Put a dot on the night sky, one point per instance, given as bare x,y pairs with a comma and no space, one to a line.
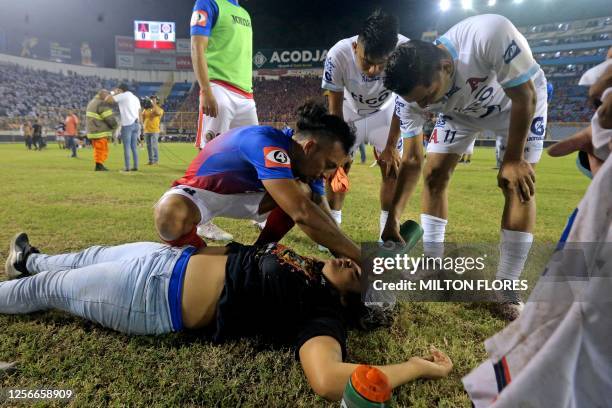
282,24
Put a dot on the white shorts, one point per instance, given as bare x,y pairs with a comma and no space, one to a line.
234,110
240,206
454,133
373,129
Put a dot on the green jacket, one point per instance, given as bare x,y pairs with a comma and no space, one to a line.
100,120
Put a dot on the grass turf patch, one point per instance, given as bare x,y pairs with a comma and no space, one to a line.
65,206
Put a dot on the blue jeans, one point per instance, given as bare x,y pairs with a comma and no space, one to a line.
152,146
129,137
124,288
71,144
362,152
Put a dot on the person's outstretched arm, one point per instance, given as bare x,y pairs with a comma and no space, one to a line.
319,226
321,359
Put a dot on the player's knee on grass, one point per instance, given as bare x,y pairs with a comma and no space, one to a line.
175,217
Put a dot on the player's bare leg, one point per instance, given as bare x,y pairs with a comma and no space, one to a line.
176,221
517,224
387,192
438,170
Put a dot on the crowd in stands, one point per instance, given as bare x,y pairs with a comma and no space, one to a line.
278,100
566,26
28,93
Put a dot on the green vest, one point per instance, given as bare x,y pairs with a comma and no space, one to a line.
230,47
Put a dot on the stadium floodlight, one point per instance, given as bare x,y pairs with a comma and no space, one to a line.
466,4
445,5
491,3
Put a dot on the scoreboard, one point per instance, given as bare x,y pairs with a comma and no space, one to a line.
154,35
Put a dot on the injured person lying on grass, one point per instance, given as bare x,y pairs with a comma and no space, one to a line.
269,291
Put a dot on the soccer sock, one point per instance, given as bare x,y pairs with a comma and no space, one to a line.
337,216
513,251
433,235
191,238
383,221
278,224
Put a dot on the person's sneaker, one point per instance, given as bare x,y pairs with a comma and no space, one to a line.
211,231
19,251
509,305
134,169
321,248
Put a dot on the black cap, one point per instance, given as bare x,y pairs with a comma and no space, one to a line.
123,86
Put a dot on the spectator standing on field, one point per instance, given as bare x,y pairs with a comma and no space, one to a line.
129,109
71,131
27,134
37,139
151,119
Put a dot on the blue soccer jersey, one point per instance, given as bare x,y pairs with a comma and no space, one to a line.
237,161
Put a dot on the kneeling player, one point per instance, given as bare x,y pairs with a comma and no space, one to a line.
248,172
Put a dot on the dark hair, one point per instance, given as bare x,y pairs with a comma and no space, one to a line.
412,64
123,86
314,119
379,34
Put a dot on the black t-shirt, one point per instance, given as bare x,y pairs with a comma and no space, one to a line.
36,130
274,293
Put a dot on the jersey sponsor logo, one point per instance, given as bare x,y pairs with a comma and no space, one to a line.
276,157
452,91
538,126
376,101
241,21
511,52
329,70
475,82
367,79
199,18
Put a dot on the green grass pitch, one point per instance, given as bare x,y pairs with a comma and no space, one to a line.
65,206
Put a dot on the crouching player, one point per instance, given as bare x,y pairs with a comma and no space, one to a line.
479,75
269,291
259,172
353,75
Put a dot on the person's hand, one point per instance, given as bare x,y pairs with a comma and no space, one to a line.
208,103
517,176
436,365
391,232
389,161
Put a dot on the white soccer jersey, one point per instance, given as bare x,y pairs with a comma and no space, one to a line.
490,54
363,95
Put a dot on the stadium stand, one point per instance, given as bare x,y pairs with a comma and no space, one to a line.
564,49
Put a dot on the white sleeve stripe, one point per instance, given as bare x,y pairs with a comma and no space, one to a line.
332,87
521,79
411,133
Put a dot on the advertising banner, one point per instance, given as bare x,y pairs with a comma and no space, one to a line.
183,46
289,58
